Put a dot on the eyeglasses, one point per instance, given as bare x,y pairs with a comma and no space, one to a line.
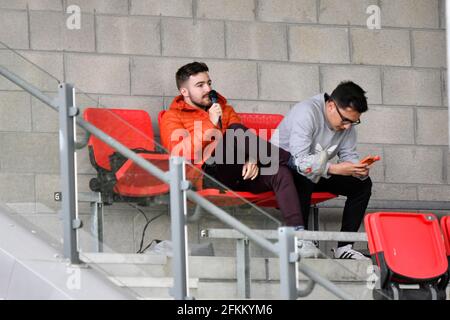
346,121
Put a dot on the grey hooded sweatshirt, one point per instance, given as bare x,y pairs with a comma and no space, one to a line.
306,134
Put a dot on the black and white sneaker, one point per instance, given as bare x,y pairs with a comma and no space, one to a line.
307,249
347,252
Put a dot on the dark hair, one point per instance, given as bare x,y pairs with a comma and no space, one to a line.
188,70
349,94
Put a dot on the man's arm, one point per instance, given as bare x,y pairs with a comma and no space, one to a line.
170,123
349,159
179,141
347,151
312,165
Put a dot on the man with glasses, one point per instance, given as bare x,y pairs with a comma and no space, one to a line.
315,131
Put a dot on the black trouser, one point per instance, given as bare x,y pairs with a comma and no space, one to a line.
357,191
280,182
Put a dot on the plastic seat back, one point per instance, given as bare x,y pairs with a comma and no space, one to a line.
256,121
260,122
411,243
132,128
445,226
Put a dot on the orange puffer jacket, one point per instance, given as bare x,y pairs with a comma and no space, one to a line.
185,129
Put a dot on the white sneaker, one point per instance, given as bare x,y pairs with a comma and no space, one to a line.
307,249
347,252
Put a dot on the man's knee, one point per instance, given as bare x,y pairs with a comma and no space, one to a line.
367,183
283,175
365,186
284,171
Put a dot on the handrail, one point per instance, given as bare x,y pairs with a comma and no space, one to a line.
303,235
377,204
290,257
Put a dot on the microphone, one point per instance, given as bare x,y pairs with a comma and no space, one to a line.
213,96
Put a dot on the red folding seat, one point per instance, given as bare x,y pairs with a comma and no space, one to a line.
118,177
408,249
263,124
445,226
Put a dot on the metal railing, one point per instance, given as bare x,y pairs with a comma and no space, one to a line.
179,193
243,250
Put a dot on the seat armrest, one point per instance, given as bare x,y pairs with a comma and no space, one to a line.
161,160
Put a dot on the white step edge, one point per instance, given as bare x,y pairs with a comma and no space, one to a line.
155,298
149,282
125,258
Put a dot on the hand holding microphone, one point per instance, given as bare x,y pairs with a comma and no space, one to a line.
215,111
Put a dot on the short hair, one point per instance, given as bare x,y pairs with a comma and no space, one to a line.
349,94
188,70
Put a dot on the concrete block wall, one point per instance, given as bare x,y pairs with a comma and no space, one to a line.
264,56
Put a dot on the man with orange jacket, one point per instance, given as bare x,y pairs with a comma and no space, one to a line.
198,129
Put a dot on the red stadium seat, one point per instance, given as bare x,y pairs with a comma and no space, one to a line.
445,226
132,128
409,249
264,124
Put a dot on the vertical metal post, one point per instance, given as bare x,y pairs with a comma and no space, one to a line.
316,218
97,225
67,113
313,218
288,266
178,213
315,210
243,268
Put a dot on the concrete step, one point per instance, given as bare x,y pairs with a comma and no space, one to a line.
148,276
270,290
149,288
216,268
219,268
128,265
128,258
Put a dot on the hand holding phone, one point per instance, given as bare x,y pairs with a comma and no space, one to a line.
370,159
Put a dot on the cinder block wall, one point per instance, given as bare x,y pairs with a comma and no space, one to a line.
264,56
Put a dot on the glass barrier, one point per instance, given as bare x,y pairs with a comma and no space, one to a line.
139,227
41,69
126,231
136,211
355,278
29,157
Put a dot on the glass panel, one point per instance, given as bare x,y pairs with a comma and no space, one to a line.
29,157
130,218
354,278
136,211
44,70
126,231
126,213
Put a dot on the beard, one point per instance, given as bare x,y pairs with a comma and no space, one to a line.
201,104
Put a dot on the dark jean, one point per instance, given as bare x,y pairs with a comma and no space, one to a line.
357,191
281,182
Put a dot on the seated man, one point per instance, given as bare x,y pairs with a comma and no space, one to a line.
208,133
316,130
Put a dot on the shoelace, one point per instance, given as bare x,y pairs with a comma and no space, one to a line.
350,253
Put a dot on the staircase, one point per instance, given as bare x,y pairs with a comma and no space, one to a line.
149,276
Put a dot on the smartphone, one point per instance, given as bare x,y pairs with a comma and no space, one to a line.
370,159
